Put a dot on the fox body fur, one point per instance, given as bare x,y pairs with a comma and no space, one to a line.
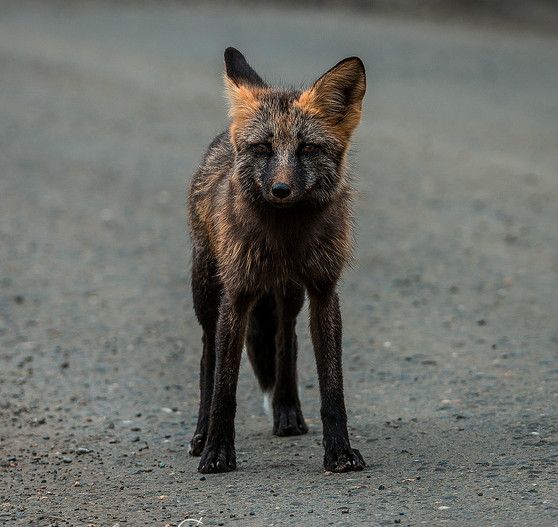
270,218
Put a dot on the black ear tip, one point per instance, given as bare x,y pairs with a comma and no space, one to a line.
232,54
229,51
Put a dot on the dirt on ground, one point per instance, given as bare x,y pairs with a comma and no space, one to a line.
450,310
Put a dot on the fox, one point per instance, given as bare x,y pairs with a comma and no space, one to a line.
271,223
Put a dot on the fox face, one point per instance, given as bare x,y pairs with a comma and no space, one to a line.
290,146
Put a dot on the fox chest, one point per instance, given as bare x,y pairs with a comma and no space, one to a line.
260,264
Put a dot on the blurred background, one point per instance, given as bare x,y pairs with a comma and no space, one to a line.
450,310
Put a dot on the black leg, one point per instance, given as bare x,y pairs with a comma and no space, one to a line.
325,327
206,292
287,415
219,453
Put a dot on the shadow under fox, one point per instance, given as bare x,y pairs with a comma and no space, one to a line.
270,218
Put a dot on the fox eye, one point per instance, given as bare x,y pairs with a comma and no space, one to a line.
262,148
309,148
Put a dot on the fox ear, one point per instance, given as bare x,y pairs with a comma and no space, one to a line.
337,95
239,71
242,84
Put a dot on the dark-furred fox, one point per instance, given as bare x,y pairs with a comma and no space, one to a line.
270,218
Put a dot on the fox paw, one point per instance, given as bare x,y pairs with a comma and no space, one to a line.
217,457
288,421
196,445
345,460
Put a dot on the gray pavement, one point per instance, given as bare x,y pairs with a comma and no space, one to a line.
450,311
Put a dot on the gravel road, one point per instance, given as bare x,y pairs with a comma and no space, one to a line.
450,311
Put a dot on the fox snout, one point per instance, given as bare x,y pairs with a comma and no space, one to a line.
284,188
281,195
281,190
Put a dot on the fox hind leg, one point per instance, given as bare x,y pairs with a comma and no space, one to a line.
287,414
272,348
260,341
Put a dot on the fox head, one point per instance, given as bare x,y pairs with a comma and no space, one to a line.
291,145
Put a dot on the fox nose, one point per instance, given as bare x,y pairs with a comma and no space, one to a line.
280,190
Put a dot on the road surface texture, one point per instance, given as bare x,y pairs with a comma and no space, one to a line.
450,311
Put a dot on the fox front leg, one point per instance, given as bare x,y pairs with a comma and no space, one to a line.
325,328
219,454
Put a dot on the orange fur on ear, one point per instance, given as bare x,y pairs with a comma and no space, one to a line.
243,99
243,102
337,96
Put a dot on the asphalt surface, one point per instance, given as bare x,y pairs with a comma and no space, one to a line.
450,311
